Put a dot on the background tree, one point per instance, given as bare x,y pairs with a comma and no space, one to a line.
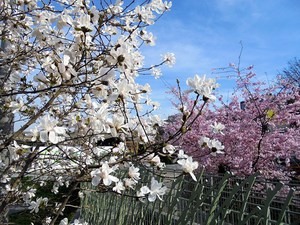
291,74
258,131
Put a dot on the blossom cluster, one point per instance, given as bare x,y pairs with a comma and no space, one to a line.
69,79
257,130
203,86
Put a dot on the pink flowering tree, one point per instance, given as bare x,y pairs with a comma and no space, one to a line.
68,77
257,131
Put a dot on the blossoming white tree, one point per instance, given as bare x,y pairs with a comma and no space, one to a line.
70,81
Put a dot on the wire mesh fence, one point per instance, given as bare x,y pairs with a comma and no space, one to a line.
213,199
243,203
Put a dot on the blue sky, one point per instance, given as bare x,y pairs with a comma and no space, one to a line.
206,34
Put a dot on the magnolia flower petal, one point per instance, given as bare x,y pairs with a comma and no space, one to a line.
53,137
59,130
66,60
152,197
193,176
144,190
96,180
43,136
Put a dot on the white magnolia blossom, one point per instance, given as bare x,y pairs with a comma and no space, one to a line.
33,133
156,72
48,220
203,141
155,160
104,174
133,173
49,131
145,14
170,59
156,190
156,120
217,128
17,106
119,187
15,151
117,125
148,37
120,148
27,196
215,145
181,154
81,194
159,6
34,205
188,166
64,221
203,86
83,23
169,149
130,183
4,178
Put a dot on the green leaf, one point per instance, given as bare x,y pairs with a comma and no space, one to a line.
270,114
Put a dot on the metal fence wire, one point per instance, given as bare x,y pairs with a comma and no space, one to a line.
256,198
213,199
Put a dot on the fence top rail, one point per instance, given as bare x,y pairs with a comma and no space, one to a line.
261,184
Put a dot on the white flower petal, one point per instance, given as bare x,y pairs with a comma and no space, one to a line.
193,176
52,137
96,181
152,197
144,190
43,136
66,59
59,130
